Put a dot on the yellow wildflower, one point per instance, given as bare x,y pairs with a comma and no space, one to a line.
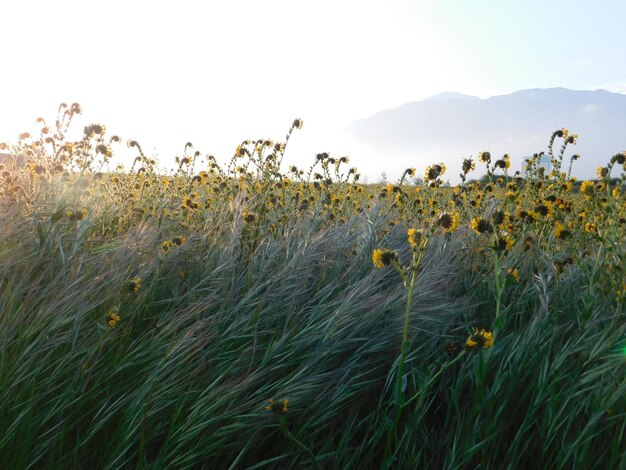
134,284
179,240
560,231
112,317
383,257
481,338
514,273
480,225
449,221
586,188
277,407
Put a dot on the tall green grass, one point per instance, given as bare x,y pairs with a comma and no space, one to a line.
267,338
183,380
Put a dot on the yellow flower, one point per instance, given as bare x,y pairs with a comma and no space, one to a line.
560,231
36,169
76,215
504,162
590,227
449,221
249,217
383,257
189,202
134,284
112,317
434,171
277,407
514,273
543,209
621,293
586,188
480,225
468,165
179,240
507,161
481,338
502,242
501,219
509,242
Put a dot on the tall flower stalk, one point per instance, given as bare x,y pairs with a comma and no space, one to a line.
384,257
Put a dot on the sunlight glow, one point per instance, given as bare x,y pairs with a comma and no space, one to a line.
215,73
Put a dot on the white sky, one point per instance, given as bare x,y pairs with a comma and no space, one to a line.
216,73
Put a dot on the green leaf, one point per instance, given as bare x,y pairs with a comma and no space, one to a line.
41,234
57,215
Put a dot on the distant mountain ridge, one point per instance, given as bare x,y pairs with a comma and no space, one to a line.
450,96
449,126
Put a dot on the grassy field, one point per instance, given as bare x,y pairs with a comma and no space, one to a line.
243,315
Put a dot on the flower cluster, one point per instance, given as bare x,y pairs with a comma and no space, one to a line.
277,406
480,338
112,317
384,257
134,284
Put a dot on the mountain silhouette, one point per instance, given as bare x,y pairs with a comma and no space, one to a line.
450,126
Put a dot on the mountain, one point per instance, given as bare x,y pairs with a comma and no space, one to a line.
451,96
450,126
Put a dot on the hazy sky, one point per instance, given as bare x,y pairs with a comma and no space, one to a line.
215,73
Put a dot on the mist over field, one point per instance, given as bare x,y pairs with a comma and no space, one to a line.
449,126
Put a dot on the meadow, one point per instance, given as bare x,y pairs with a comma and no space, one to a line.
250,314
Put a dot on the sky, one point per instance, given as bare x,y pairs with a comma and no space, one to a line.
217,72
